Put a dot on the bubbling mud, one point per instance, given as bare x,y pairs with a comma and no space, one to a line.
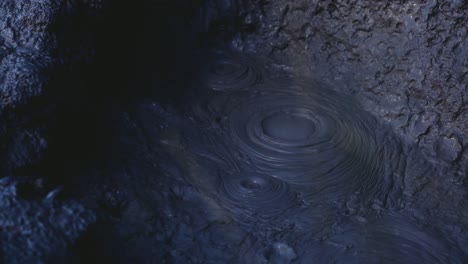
314,138
285,170
227,72
302,169
300,132
287,127
253,194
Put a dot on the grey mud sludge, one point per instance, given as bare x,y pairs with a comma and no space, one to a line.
276,168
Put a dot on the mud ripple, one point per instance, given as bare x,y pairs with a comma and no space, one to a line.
227,72
250,194
316,139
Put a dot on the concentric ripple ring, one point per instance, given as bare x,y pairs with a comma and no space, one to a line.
225,72
250,193
315,139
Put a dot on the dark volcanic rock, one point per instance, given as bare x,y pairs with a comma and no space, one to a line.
26,45
37,228
33,47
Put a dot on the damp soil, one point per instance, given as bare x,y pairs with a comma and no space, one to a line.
257,164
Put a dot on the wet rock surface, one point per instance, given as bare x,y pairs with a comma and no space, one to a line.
317,131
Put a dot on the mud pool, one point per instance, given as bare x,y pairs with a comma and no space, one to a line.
256,165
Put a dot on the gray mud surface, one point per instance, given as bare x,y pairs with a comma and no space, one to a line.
253,166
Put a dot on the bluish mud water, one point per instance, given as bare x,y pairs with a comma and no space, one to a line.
266,169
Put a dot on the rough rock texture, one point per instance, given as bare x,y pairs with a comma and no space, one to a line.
34,55
37,228
406,59
33,47
26,46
